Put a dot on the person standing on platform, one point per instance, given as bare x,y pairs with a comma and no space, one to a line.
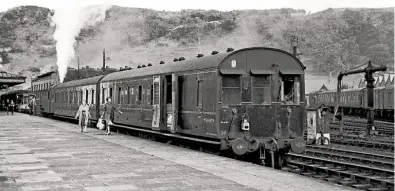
108,114
7,105
83,115
31,105
12,106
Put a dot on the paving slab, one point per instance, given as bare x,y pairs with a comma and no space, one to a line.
42,154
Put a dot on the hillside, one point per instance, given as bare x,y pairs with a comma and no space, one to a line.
329,41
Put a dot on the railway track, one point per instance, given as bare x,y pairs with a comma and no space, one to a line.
364,143
347,173
358,126
362,170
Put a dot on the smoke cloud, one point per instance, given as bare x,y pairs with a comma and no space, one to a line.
69,21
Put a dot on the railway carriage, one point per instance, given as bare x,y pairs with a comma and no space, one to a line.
68,96
354,101
247,100
20,97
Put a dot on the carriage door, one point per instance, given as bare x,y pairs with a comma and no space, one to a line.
174,103
156,103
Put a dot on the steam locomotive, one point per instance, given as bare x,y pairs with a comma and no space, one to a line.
246,101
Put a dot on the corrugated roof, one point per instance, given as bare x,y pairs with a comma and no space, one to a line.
9,75
17,91
185,65
81,82
46,74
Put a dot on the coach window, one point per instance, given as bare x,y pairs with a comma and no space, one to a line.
93,97
149,95
152,94
290,88
199,93
110,94
70,97
140,95
231,93
128,94
120,95
133,100
103,94
260,85
125,95
87,96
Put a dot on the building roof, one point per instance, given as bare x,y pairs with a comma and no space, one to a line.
5,75
46,74
8,79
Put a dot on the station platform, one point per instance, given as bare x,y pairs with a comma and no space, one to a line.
43,154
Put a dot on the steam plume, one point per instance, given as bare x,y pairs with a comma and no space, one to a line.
69,21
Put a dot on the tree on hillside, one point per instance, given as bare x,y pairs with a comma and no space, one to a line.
379,53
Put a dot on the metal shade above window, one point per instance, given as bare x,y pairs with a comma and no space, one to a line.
232,71
290,72
262,72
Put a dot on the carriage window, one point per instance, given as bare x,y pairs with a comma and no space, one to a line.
231,89
70,97
110,95
291,89
81,96
125,95
132,96
129,94
200,93
87,96
120,94
156,93
261,93
152,94
93,97
103,95
149,95
140,95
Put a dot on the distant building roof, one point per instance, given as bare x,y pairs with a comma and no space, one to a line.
323,88
5,75
8,79
46,74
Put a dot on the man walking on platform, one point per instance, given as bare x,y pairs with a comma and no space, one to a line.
7,105
12,107
31,105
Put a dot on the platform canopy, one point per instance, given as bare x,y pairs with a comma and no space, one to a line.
8,80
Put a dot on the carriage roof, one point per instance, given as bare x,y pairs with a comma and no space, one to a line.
185,65
81,82
206,62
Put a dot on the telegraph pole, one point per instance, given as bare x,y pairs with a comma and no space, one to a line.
78,69
104,60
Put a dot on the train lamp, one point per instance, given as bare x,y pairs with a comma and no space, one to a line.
245,126
294,43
